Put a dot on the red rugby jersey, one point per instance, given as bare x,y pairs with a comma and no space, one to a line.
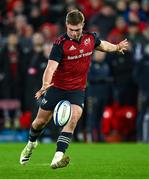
74,59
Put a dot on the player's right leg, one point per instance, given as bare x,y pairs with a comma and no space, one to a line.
38,124
60,160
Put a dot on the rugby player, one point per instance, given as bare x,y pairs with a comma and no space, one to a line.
65,78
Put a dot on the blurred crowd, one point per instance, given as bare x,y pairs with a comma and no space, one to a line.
117,95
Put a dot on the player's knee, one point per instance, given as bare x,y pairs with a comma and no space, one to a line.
72,125
74,120
39,123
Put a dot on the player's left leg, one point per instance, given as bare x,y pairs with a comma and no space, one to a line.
60,160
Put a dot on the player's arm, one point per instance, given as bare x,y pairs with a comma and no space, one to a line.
47,77
48,73
55,57
106,46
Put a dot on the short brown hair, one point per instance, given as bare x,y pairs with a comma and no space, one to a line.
75,17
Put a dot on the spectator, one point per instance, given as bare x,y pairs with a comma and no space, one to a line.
10,57
8,24
145,7
135,10
98,94
20,24
121,69
91,8
121,7
18,7
119,32
106,16
49,32
35,17
36,62
141,77
26,39
136,40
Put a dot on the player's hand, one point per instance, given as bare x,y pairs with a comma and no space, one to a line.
42,90
122,46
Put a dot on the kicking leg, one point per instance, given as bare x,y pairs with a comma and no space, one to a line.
60,160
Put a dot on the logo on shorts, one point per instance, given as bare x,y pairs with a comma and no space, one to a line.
44,101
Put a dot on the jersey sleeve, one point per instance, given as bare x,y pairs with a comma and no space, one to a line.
97,39
56,53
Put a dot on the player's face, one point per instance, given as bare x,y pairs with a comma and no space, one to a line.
74,31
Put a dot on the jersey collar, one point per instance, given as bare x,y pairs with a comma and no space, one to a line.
77,41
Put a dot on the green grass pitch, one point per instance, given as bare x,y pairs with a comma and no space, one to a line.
88,161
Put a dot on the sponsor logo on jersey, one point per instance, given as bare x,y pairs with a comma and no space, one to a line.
80,55
72,48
